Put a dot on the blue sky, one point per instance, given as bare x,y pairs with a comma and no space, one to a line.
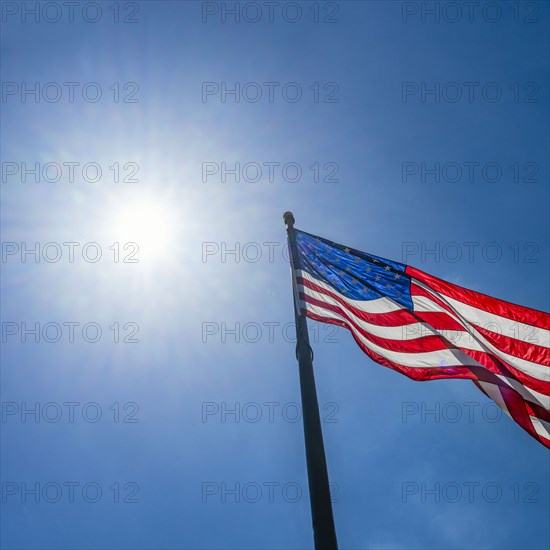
368,129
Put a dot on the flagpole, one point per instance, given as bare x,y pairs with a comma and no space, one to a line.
324,533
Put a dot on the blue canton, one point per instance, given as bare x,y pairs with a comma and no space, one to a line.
353,273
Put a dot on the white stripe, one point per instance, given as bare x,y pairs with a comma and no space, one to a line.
493,391
379,305
400,332
502,325
424,304
541,426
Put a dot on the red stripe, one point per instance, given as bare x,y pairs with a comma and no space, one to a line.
417,290
516,406
440,320
482,301
518,348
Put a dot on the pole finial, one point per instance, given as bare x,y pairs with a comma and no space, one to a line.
288,217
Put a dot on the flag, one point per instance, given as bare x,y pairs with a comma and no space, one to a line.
427,328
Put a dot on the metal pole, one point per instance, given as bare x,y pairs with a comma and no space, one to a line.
324,533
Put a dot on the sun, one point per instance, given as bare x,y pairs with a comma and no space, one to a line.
150,223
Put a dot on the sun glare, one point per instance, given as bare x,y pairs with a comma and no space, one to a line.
151,224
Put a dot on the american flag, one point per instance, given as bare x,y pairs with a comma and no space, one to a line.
427,328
